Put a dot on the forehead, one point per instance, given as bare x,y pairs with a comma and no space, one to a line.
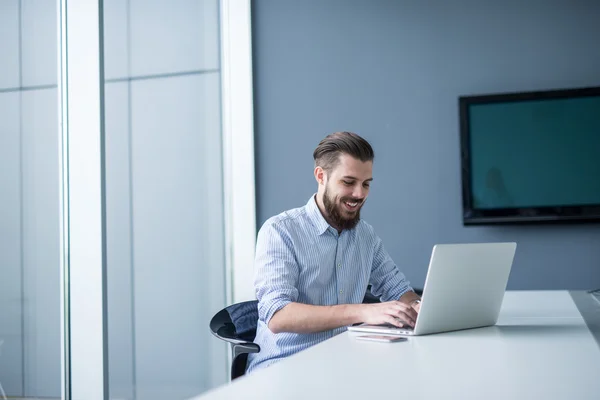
350,166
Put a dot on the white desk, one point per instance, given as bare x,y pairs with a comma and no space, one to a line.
541,348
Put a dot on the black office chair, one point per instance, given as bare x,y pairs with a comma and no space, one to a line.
236,324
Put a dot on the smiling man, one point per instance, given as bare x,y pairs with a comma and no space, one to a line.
313,263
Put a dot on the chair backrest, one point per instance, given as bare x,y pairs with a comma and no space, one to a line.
237,324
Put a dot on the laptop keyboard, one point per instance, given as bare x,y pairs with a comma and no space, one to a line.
406,328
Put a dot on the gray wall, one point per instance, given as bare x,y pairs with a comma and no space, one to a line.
392,71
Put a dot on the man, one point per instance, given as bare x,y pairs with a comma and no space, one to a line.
313,263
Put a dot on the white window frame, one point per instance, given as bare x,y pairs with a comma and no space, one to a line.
82,189
238,148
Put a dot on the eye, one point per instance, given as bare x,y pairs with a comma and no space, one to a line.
367,185
348,183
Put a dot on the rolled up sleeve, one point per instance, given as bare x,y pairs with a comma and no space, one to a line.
276,271
387,282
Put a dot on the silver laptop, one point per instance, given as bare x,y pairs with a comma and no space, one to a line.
464,289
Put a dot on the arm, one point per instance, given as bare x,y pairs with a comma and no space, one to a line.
276,283
388,282
304,318
276,271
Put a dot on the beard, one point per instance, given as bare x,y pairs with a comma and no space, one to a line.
337,215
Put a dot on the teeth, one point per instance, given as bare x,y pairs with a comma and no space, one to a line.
352,204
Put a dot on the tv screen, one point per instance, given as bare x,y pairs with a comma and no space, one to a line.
531,157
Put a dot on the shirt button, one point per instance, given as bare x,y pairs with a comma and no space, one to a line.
341,291
339,265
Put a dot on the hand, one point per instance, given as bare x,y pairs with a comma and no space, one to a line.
394,313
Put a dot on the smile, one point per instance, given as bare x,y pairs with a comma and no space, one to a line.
351,206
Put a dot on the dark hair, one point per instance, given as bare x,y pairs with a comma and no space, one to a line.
327,153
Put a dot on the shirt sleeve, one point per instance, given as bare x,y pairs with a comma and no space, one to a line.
276,271
387,282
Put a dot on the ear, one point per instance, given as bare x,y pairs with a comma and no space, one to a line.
320,175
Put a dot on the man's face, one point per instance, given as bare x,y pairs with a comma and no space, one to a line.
346,190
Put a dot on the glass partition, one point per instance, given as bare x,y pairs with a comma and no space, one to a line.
30,341
164,197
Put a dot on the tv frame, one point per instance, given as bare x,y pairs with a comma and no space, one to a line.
517,215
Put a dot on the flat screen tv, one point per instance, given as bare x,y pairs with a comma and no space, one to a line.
531,156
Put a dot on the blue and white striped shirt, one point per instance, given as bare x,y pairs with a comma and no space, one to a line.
300,258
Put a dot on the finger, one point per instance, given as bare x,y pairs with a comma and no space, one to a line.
407,319
407,310
403,306
411,320
404,316
394,321
412,312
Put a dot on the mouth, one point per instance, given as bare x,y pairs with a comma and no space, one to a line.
351,206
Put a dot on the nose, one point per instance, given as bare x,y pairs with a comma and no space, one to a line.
359,192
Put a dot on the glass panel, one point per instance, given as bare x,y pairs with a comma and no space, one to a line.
164,197
29,189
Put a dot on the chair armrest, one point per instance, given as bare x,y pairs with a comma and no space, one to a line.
240,358
245,348
228,334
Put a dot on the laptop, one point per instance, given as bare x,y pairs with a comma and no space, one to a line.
464,289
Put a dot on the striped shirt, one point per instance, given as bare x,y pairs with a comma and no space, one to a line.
300,258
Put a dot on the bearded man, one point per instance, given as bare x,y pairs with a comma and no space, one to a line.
313,264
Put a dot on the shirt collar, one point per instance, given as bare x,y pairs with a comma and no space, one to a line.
315,216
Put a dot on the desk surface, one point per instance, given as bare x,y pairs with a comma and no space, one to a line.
541,348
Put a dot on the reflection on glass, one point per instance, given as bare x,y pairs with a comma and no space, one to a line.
29,216
165,233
